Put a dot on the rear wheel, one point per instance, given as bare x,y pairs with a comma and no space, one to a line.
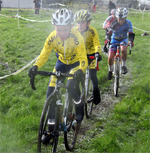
116,81
88,97
50,142
72,127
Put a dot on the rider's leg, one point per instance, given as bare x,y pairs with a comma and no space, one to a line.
123,49
73,89
94,79
110,63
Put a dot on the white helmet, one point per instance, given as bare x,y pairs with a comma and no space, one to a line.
62,17
121,12
113,11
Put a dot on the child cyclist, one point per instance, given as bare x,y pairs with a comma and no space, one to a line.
69,44
120,29
93,48
106,26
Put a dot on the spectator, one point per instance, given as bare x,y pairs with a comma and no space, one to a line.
111,6
37,6
0,5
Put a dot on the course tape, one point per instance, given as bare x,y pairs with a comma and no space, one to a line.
57,4
20,70
140,29
17,16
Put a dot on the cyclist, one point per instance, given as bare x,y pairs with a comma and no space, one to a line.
93,48
69,45
120,28
106,26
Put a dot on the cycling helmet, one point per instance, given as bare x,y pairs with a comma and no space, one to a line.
62,17
121,12
113,11
83,15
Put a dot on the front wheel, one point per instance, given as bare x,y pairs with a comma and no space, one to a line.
72,127
88,97
116,81
50,143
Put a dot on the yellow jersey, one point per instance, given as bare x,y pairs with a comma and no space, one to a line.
70,51
91,39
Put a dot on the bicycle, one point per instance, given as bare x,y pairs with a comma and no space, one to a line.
64,118
89,90
117,68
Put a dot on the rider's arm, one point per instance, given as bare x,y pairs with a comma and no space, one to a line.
48,46
131,35
82,55
96,42
107,22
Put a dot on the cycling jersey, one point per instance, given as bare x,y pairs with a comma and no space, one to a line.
91,40
70,51
120,32
108,22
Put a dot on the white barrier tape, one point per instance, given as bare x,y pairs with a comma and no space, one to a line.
20,70
57,4
140,29
32,20
7,16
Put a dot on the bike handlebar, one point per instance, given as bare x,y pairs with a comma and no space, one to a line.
45,73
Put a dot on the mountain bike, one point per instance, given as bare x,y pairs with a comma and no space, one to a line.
89,90
64,117
117,69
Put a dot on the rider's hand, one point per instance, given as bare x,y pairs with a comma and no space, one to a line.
79,75
98,56
33,71
130,42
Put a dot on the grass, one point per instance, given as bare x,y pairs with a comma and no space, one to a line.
126,129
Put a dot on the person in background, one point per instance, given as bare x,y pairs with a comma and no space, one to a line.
0,5
120,29
106,26
37,6
94,3
93,48
111,6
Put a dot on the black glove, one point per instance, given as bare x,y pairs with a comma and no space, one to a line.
79,75
98,56
33,71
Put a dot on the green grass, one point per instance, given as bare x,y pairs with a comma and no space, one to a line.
128,127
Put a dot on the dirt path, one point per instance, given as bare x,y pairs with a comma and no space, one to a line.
90,127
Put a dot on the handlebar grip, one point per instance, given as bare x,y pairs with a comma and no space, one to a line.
32,82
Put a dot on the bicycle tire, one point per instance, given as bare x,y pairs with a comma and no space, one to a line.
43,127
72,127
116,81
88,97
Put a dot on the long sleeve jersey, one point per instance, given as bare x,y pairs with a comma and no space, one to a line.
91,40
70,51
108,22
120,31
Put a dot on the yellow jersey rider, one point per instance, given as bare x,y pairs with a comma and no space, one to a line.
93,48
69,44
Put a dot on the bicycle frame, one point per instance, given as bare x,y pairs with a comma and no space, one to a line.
117,60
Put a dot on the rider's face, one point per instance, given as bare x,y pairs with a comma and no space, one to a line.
82,25
63,31
121,21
